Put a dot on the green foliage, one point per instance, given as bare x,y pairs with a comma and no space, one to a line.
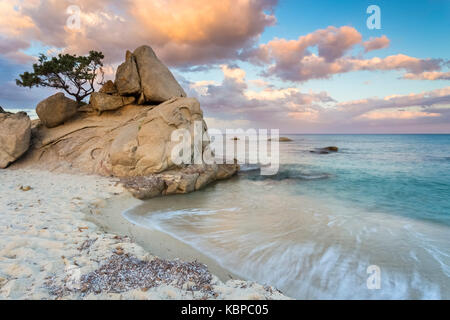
74,74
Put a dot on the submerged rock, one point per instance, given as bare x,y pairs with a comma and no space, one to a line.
15,133
56,109
282,139
325,150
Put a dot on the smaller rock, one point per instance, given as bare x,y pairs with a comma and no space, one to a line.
144,187
103,102
226,171
325,150
15,135
109,88
282,139
56,109
127,76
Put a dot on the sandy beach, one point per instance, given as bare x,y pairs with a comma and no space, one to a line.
52,249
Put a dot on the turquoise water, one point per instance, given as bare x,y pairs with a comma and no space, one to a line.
399,174
313,229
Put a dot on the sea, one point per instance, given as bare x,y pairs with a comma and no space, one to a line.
371,221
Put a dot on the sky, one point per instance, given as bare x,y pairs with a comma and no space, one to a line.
300,66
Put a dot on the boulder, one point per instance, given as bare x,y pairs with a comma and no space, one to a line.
325,150
56,110
178,181
144,147
103,102
109,88
127,80
157,82
15,133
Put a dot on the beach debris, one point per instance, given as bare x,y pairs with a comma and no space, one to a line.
119,251
325,150
25,188
122,273
87,244
80,229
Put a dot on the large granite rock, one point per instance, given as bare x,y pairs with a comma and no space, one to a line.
132,143
127,80
15,133
56,110
103,102
157,82
144,147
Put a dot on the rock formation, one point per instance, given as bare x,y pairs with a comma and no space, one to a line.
15,132
124,139
127,80
56,109
103,102
157,82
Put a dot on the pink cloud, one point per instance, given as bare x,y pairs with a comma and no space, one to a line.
376,43
435,75
294,60
182,32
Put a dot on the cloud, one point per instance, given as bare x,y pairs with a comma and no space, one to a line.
397,114
376,43
184,33
435,75
294,111
295,60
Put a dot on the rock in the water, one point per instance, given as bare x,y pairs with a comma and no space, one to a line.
109,88
157,82
282,139
325,150
127,77
56,109
15,133
104,102
2,111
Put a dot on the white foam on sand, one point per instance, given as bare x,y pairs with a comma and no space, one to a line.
46,239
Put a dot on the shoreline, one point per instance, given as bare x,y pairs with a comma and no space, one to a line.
49,234
111,220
